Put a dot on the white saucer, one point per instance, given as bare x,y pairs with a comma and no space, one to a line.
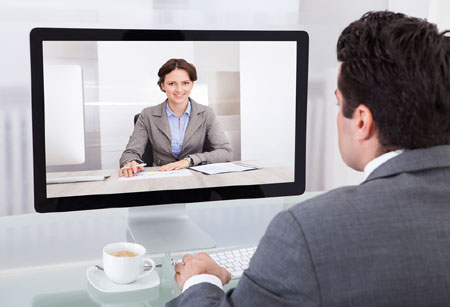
99,281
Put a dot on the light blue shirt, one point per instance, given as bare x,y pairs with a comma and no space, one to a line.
178,127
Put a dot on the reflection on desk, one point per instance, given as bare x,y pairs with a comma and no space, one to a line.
267,174
94,298
48,254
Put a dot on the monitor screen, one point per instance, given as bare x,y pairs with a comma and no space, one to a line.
98,104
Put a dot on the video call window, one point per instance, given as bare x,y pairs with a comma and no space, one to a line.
94,89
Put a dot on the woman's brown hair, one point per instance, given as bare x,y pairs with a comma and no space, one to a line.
173,64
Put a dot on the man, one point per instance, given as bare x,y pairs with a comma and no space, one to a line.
385,242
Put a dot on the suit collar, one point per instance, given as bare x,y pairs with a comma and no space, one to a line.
160,119
375,163
412,161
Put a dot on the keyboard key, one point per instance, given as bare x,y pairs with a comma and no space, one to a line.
235,261
237,274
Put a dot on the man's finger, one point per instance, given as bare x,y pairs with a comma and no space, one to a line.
203,254
187,258
178,267
228,276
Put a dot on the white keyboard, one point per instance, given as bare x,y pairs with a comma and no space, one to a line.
234,260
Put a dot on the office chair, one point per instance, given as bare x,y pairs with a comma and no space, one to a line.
147,156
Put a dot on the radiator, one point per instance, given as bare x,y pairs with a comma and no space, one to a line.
16,183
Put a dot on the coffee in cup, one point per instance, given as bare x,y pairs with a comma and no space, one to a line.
124,254
124,262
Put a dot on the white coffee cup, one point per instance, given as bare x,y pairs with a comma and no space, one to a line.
125,270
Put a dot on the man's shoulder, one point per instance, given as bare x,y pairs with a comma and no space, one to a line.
379,197
339,197
341,204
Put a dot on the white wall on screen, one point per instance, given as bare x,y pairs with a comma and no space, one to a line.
217,56
268,87
83,54
64,115
219,61
128,70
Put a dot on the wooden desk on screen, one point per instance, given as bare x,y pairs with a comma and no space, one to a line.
112,185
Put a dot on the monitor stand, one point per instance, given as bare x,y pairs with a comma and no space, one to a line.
166,228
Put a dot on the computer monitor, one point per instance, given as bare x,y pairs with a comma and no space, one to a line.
89,84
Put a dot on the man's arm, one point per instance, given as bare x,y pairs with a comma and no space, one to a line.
281,273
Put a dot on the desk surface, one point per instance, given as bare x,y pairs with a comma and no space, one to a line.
268,173
44,257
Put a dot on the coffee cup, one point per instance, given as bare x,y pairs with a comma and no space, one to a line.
124,262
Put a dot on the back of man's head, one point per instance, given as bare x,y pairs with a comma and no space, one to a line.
399,67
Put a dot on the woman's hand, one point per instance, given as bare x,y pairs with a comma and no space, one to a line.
175,165
130,169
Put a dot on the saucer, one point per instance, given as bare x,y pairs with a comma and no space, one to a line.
99,281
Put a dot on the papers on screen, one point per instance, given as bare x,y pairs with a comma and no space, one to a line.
219,168
152,175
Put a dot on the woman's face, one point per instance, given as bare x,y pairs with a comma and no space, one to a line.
178,86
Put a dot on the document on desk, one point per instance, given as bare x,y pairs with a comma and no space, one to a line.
153,175
219,168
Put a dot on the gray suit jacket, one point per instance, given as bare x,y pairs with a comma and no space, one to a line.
153,126
385,242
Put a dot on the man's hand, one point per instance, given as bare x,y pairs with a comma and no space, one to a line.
200,264
175,165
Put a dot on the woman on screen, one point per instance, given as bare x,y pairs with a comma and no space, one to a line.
181,132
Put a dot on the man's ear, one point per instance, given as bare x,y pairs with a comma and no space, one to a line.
363,123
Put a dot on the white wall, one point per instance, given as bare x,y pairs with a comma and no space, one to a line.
64,115
268,83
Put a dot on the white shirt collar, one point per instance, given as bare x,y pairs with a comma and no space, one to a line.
375,163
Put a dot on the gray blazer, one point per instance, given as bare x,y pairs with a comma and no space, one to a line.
385,242
153,126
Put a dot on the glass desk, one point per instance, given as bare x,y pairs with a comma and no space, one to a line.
44,257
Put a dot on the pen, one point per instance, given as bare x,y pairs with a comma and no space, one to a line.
127,167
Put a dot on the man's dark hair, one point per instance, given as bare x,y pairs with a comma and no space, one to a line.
173,64
399,67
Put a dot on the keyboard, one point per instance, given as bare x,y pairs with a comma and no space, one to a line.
234,260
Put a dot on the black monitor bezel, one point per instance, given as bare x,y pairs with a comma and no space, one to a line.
74,203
